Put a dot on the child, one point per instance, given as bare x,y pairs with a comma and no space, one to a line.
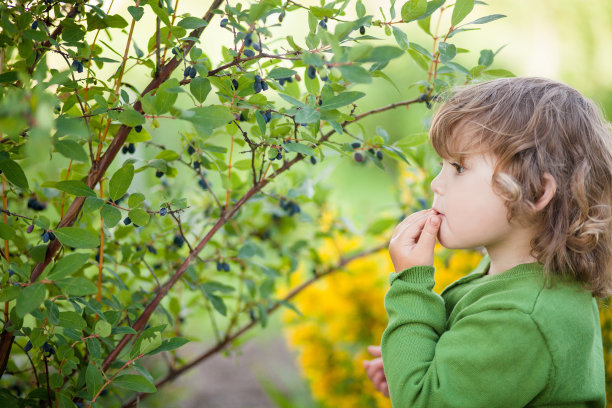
528,176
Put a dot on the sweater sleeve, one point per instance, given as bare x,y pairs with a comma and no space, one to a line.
489,358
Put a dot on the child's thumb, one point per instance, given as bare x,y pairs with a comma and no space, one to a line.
429,233
374,350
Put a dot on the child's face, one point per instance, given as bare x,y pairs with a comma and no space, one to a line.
473,214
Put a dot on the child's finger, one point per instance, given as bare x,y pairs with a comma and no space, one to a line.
416,221
374,350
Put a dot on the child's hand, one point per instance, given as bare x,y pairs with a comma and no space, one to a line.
413,240
375,371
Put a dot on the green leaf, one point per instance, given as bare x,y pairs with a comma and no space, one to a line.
75,187
131,118
191,23
72,320
249,250
13,172
76,286
121,180
111,215
292,100
299,148
92,204
6,231
503,73
355,73
115,21
136,12
93,379
9,76
208,118
135,382
401,38
384,54
457,67
486,57
422,50
71,150
9,293
170,344
103,329
447,52
308,115
68,265
134,200
413,9
461,9
139,217
200,87
486,19
77,237
343,99
281,72
160,12
29,299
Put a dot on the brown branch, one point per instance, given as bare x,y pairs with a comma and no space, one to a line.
171,376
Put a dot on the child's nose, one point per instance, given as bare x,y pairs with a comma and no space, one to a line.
435,185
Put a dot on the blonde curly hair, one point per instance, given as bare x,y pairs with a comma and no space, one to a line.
535,126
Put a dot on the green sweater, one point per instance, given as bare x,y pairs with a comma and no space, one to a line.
492,341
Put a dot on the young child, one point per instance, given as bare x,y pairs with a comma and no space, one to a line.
527,174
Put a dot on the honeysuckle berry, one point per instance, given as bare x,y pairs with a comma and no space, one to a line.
151,249
28,346
77,66
163,211
242,116
11,272
45,236
313,160
224,22
30,228
252,315
279,156
124,149
320,101
264,86
36,205
358,157
51,236
324,79
178,241
249,53
247,40
355,145
35,25
257,78
226,267
257,87
379,155
190,150
127,221
371,150
187,71
47,348
193,73
256,47
196,165
203,184
235,83
362,30
138,128
219,266
312,72
322,24
158,173
131,148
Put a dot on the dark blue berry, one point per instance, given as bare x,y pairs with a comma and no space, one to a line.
196,165
104,392
219,266
362,30
247,40
187,71
257,78
202,184
257,87
190,150
313,160
324,79
281,81
224,22
163,211
320,101
264,86
47,348
358,157
138,128
322,24
226,267
379,155
370,150
192,73
158,173
268,116
252,315
127,221
51,236
28,346
312,72
131,148
11,272
249,53
256,47
152,249
124,149
235,84
178,241
279,156
45,237
35,25
356,145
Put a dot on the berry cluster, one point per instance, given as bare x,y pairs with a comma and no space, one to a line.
47,236
259,84
289,206
267,115
36,205
190,72
323,23
359,157
77,66
131,148
223,266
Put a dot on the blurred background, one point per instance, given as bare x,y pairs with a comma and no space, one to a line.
560,39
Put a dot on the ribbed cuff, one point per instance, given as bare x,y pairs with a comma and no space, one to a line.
414,274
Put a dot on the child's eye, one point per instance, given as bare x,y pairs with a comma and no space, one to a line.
458,167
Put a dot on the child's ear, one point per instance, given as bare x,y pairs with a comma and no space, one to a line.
548,191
